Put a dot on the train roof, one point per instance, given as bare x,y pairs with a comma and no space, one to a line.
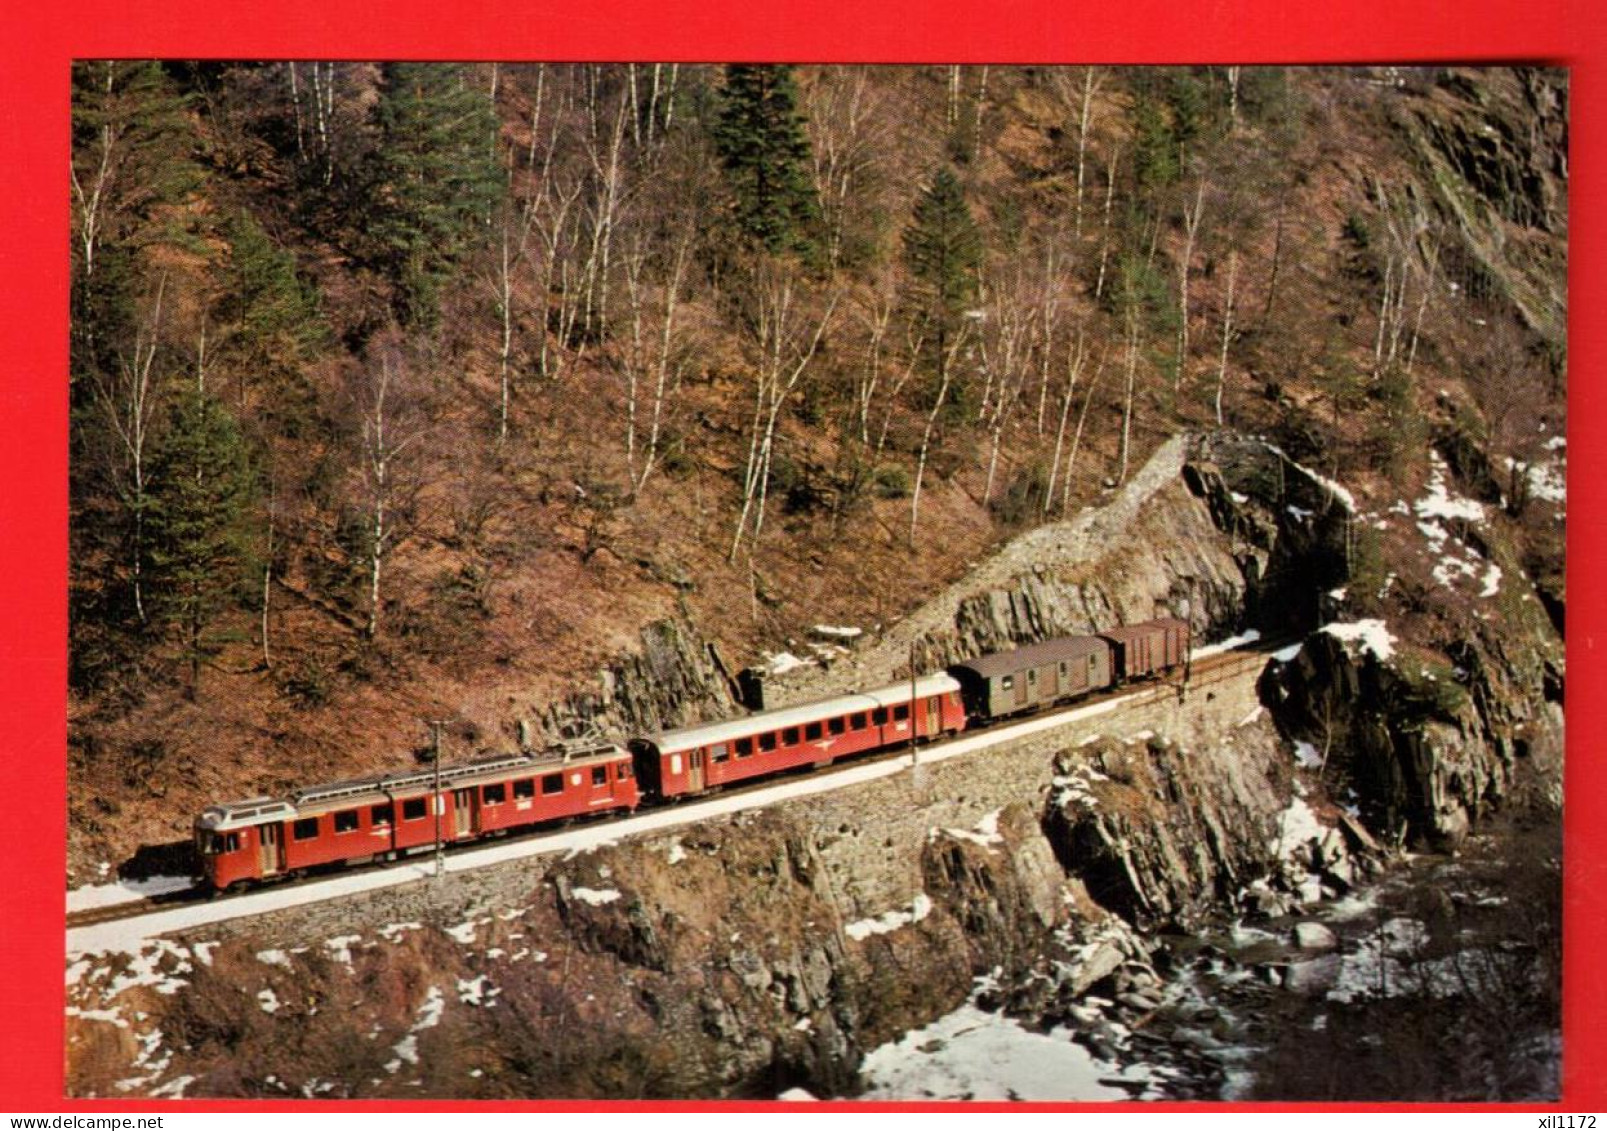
1035,655
1127,632
761,722
940,683
779,718
380,788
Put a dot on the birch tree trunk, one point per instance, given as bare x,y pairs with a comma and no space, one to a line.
1227,333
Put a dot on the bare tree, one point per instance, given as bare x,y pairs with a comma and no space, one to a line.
1227,333
1132,320
946,367
512,244
130,404
845,146
393,425
783,339
1074,363
1104,226
605,148
1192,216
1003,346
654,363
1076,440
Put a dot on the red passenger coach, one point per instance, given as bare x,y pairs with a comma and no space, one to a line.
382,817
690,760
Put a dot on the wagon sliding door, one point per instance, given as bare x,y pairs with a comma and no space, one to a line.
463,804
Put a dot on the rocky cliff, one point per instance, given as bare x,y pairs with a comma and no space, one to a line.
748,954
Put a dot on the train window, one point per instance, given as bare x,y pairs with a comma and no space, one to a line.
305,829
231,842
718,752
857,721
744,747
552,783
1007,682
495,794
813,731
622,771
789,737
524,789
380,815
837,725
413,809
901,712
599,775
1093,664
878,717
767,742
346,822
1032,675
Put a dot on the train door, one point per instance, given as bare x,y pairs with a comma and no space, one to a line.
269,849
463,812
694,773
1020,689
1051,682
934,721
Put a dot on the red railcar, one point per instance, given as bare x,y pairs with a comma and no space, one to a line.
384,816
690,760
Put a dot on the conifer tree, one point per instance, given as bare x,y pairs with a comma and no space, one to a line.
197,519
434,179
943,251
270,319
765,152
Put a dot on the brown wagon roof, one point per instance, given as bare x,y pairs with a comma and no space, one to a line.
1128,632
1035,655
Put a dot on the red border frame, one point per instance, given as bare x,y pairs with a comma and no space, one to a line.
33,339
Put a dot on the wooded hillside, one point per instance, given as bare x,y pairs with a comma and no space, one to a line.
408,392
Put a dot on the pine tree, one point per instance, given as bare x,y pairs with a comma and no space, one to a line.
197,516
270,320
765,152
434,179
943,250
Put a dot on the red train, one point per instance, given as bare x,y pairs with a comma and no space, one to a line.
386,816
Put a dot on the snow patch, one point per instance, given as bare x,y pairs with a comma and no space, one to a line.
125,891
1306,754
1371,634
269,1001
477,991
340,948
594,896
920,908
986,832
1227,645
274,958
1297,827
392,933
838,632
782,662
975,1055
464,932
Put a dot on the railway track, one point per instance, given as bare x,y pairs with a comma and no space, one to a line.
1203,674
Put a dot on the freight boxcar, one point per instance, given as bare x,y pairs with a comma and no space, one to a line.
1139,650
1008,683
